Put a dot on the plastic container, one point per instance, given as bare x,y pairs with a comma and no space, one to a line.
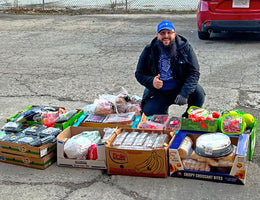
213,145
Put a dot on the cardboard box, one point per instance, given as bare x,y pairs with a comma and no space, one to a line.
252,141
62,160
26,150
38,163
61,126
150,163
235,173
80,122
204,126
104,125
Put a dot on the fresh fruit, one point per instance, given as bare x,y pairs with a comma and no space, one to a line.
233,112
216,115
249,119
209,118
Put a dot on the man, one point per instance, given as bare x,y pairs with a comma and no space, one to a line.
168,69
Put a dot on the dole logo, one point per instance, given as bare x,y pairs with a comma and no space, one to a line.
118,157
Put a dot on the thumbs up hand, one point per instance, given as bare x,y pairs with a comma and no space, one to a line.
157,83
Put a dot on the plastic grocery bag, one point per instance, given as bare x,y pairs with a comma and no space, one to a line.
77,147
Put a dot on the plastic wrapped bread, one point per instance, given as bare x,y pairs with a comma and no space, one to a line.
161,140
185,148
148,144
130,138
120,138
140,139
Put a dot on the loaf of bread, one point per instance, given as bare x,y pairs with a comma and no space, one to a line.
185,148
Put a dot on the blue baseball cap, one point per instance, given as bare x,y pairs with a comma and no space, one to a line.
165,25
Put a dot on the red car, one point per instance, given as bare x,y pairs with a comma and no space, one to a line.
214,16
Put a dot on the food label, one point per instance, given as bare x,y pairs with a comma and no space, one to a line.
208,151
43,152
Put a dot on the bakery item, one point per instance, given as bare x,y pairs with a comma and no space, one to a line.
185,147
213,145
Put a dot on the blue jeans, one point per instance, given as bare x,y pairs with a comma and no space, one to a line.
160,102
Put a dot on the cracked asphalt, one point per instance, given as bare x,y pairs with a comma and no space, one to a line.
69,61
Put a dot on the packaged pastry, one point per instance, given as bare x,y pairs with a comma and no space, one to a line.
140,139
120,138
108,132
195,165
130,138
148,144
161,140
197,157
122,118
213,145
104,108
95,118
185,148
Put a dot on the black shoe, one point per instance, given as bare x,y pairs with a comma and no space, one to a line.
185,115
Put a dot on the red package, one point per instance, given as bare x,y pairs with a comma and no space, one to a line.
92,152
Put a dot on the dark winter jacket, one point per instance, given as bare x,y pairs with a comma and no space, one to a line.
185,68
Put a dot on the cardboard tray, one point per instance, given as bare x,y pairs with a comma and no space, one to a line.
38,163
63,161
26,150
234,174
61,126
205,126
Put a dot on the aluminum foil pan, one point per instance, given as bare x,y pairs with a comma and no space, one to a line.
213,145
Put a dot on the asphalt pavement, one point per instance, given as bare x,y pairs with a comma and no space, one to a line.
68,61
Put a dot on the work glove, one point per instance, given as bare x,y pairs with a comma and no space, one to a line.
180,100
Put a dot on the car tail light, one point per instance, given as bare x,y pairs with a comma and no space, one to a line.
207,23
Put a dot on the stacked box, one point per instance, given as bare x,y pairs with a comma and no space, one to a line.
33,162
134,162
23,154
36,157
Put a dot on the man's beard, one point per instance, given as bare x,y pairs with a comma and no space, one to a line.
168,50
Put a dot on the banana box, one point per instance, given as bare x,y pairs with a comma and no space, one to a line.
186,162
134,158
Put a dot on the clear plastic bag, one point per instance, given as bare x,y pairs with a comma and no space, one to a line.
122,118
104,107
13,127
108,133
77,147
